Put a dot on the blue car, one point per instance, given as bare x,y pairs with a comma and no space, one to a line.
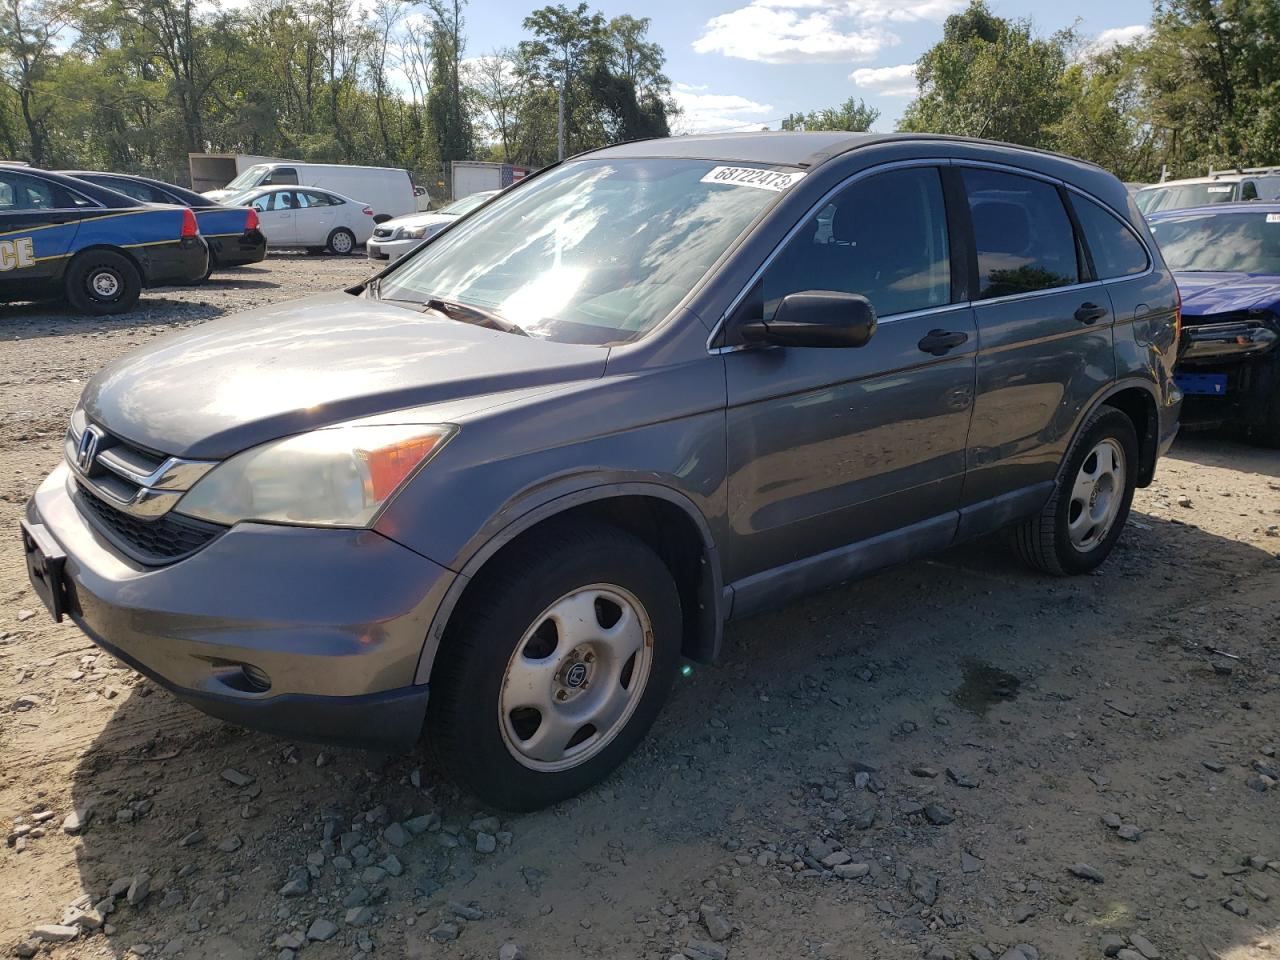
98,248
233,233
1226,260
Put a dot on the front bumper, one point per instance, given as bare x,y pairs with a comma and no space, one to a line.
236,251
390,249
336,619
181,262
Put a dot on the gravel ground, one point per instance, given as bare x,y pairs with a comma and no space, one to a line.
956,758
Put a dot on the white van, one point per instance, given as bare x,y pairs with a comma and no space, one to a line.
387,189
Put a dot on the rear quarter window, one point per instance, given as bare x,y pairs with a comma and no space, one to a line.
1115,250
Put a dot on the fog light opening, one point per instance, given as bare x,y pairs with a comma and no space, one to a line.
255,678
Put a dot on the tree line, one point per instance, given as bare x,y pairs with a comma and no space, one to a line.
1199,89
134,85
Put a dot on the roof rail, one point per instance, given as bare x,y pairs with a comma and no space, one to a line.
1239,170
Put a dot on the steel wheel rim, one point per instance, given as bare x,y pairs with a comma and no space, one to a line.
582,668
104,284
342,242
1096,495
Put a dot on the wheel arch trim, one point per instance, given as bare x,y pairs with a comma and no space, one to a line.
713,596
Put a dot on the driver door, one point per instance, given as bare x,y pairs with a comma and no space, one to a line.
832,447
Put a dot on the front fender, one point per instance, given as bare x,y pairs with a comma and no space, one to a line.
555,500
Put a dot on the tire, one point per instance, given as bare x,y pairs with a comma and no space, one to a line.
213,265
102,282
1267,433
1075,531
341,241
503,648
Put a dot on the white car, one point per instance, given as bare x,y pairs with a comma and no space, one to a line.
389,190
395,238
319,220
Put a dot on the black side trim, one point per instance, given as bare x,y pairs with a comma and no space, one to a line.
772,588
998,512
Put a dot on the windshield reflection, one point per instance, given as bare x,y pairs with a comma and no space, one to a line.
593,252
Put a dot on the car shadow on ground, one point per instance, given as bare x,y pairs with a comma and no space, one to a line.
871,671
29,321
1224,448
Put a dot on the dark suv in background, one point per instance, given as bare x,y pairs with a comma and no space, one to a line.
660,386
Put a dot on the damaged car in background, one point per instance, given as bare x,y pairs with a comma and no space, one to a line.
1226,259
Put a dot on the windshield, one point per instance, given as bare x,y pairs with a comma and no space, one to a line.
249,178
466,204
1226,242
1155,199
595,251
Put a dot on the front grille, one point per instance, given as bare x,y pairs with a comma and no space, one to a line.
165,539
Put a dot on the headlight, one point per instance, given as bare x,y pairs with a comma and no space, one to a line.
416,233
339,476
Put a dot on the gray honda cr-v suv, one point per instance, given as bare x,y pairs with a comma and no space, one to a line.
534,464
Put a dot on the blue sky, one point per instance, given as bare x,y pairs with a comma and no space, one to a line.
742,64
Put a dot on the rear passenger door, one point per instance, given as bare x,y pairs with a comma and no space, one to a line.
276,217
829,447
1045,335
315,217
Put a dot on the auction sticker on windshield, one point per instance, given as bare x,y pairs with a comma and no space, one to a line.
1273,218
775,180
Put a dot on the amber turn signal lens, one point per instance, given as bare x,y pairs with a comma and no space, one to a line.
389,466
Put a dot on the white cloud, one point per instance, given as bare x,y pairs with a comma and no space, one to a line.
897,81
1114,37
807,31
704,112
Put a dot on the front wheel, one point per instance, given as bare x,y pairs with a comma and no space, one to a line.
556,664
342,241
1076,530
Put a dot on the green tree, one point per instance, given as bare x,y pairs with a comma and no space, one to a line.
445,102
854,115
991,77
29,30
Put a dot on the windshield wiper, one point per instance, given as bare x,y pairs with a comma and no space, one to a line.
467,313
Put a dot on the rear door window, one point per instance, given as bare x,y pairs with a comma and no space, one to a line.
1115,250
1022,233
133,188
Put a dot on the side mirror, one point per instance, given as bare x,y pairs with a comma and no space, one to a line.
816,318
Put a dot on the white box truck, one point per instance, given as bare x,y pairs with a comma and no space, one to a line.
472,176
388,190
213,171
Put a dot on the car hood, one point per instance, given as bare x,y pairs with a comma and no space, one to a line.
219,195
243,380
419,220
1211,293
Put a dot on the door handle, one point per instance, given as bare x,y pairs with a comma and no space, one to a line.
1090,313
938,342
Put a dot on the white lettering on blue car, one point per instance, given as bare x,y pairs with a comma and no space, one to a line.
16,254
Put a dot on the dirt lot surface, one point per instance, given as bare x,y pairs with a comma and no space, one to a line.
951,759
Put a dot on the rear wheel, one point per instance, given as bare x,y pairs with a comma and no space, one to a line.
1076,530
560,660
342,241
213,265
102,282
